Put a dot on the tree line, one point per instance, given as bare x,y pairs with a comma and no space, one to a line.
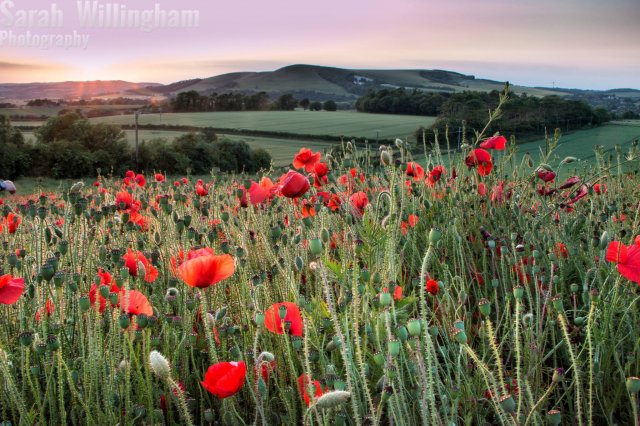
192,101
522,115
68,146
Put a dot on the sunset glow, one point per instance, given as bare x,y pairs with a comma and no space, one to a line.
583,44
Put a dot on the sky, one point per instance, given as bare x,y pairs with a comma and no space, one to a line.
589,44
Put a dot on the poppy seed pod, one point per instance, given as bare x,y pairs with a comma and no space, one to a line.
633,384
557,303
485,307
414,327
554,417
315,246
459,335
508,403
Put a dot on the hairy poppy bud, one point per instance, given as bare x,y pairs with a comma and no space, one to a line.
159,365
332,399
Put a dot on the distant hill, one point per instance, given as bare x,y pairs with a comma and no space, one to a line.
311,81
319,82
69,89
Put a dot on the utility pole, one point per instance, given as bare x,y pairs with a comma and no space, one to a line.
137,114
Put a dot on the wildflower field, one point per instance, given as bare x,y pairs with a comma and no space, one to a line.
467,291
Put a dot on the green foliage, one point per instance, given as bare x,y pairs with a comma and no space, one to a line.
330,106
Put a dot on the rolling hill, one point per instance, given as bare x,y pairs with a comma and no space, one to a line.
68,89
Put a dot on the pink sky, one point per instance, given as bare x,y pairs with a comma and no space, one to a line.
574,43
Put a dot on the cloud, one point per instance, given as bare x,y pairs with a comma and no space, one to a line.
17,66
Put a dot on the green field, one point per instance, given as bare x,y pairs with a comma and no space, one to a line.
581,144
383,126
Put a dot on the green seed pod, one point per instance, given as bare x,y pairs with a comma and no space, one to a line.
63,247
557,303
394,348
579,321
52,343
315,246
459,335
508,403
402,333
434,235
124,321
518,292
296,342
26,338
385,299
485,307
414,327
459,324
554,417
379,359
209,415
633,385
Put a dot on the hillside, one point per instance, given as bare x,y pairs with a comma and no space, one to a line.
344,84
68,89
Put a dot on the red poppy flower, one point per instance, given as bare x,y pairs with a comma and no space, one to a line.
131,261
257,194
137,303
159,177
96,183
141,180
581,193
481,159
482,189
130,174
13,221
225,379
561,250
10,289
306,159
201,189
397,293
204,270
48,309
600,188
573,180
627,258
546,175
432,287
274,323
415,170
124,200
359,201
321,169
435,174
304,383
495,142
293,185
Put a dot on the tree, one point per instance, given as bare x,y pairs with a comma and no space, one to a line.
315,106
305,103
286,103
330,106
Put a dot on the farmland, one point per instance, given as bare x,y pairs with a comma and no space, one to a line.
339,123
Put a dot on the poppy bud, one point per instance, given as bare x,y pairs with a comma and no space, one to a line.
331,399
518,292
159,365
414,327
604,240
558,375
434,235
385,158
315,246
579,321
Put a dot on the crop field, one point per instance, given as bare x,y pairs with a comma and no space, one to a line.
339,123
